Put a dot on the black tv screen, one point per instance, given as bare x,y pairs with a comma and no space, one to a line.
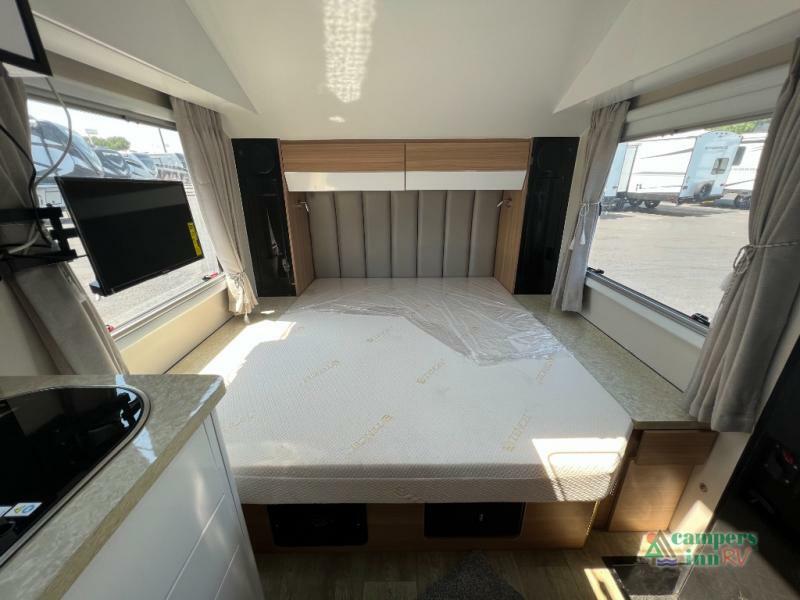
132,230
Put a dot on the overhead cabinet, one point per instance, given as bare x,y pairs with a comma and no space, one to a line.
344,166
467,165
330,166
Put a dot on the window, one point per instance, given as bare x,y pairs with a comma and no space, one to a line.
105,146
720,165
675,211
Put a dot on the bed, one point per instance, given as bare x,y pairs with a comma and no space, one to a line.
417,391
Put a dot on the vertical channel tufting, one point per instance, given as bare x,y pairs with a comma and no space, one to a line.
404,234
483,239
378,234
324,239
457,229
430,234
350,231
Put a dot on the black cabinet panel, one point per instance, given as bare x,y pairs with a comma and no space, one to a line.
296,525
553,160
261,185
480,519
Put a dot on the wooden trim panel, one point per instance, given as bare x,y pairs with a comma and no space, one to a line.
343,157
509,232
486,155
649,496
675,447
299,233
401,527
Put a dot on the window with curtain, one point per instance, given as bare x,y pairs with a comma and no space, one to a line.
107,146
675,213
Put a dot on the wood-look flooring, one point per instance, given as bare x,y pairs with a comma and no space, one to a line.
539,574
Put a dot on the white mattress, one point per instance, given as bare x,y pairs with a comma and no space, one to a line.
415,390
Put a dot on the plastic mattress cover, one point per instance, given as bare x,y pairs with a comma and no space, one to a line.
476,317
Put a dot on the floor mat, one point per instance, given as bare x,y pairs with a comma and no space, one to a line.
638,579
472,579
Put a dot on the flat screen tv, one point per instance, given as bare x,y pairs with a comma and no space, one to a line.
132,230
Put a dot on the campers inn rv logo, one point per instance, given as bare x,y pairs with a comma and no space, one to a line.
714,549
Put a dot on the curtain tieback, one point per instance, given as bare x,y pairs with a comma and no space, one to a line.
745,256
747,252
582,213
237,278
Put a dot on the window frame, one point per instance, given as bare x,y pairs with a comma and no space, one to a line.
660,308
153,313
597,273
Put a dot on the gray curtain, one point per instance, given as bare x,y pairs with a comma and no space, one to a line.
728,382
209,155
592,167
64,317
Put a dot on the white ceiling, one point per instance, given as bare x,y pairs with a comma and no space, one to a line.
405,68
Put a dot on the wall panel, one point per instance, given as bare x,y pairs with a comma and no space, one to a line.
324,236
483,237
457,231
378,234
350,232
430,237
404,234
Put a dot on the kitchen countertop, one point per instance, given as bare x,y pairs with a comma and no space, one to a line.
650,400
52,559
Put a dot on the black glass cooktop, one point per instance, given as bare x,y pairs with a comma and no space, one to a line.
51,442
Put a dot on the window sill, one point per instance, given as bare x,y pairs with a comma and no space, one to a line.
674,321
167,311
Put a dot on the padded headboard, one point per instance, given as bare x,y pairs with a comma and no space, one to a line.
404,234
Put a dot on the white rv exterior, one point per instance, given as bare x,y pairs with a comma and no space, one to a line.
738,188
687,168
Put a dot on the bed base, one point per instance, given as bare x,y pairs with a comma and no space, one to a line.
402,527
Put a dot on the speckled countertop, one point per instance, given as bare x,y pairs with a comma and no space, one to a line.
53,558
650,400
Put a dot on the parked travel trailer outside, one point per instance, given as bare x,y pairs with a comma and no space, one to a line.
738,188
690,168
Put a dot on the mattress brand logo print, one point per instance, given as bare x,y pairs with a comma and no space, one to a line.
331,364
542,374
378,336
516,433
714,549
372,432
435,368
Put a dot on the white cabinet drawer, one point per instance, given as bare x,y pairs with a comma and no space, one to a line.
206,567
144,555
238,584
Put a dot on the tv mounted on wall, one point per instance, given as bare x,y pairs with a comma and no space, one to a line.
131,230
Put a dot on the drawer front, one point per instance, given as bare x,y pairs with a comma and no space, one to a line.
675,447
238,584
204,571
145,554
343,157
468,155
648,497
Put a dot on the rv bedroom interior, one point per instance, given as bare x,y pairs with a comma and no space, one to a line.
371,299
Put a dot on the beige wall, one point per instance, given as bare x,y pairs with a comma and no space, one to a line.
155,347
21,350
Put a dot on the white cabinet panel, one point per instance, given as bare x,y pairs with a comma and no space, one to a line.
238,584
366,181
144,556
465,180
206,567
